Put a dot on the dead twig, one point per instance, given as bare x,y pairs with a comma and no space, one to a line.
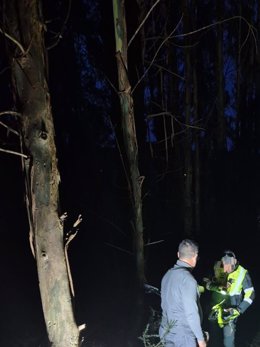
15,153
155,55
12,113
69,237
13,40
142,23
9,129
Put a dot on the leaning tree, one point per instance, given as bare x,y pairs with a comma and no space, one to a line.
23,30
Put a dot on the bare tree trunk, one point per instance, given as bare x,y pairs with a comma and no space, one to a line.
197,194
221,129
188,172
238,79
129,132
29,77
197,166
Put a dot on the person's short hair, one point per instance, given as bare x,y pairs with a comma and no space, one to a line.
188,248
229,253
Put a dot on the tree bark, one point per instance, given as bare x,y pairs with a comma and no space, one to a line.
30,88
129,133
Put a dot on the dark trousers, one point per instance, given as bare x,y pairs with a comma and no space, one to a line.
222,337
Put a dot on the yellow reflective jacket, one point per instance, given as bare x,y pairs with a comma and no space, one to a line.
238,290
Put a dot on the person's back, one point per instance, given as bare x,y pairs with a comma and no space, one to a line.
179,305
181,315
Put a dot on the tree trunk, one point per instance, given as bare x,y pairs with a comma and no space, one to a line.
238,79
129,133
188,172
29,77
221,128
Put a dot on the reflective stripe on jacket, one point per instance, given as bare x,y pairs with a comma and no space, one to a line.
240,288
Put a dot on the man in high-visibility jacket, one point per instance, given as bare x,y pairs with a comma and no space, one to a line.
232,287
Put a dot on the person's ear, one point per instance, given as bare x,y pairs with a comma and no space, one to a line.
178,254
234,261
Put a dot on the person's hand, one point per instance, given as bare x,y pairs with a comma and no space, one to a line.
232,313
202,343
206,336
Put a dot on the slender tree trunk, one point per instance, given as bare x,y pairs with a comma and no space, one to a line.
137,49
188,172
238,80
197,168
29,70
197,192
221,129
129,132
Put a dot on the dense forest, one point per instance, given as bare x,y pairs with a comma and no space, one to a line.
129,125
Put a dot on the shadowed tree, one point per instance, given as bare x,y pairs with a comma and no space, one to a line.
221,135
24,32
129,133
188,169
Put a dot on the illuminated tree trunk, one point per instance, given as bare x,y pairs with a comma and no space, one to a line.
129,132
24,32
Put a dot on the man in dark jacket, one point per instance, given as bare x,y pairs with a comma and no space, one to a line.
234,292
181,311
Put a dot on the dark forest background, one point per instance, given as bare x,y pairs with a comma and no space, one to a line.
194,68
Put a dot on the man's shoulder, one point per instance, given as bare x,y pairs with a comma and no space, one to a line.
240,268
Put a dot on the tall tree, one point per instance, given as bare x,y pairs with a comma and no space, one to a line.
221,129
188,170
24,31
129,133
197,169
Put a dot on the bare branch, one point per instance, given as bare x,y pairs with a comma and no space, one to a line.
58,36
82,326
69,237
119,248
141,180
175,118
12,113
111,84
251,29
31,239
63,217
13,40
167,70
153,243
9,129
78,221
170,36
142,23
155,55
15,153
4,69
